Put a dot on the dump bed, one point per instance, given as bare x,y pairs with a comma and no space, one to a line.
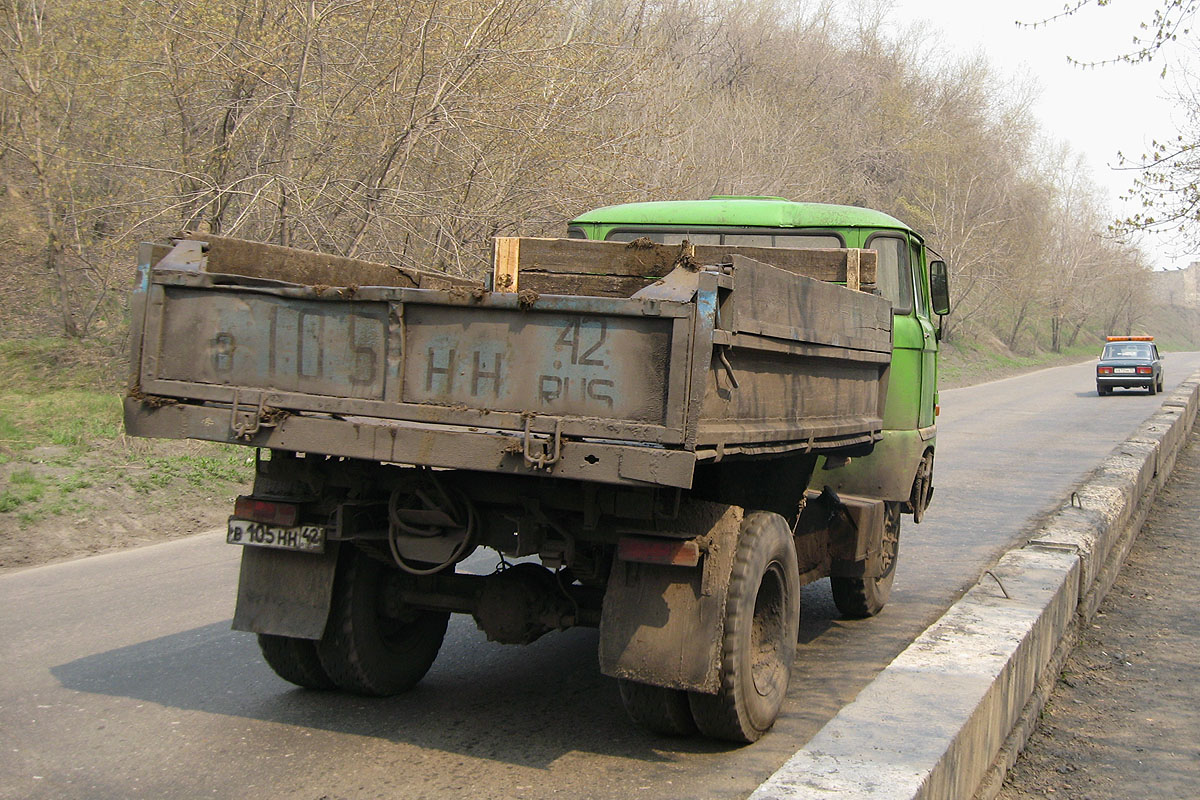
609,362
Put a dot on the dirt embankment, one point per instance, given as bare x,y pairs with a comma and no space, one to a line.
57,504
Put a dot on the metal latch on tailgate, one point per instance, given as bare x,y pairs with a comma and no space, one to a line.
245,421
551,450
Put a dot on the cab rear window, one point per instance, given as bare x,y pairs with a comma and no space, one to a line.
743,239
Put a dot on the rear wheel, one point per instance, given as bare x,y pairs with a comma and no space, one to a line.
1102,390
762,620
657,709
1152,388
369,647
295,660
866,597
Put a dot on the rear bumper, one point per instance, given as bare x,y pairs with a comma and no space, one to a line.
1126,381
445,446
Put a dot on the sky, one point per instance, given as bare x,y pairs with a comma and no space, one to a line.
1099,111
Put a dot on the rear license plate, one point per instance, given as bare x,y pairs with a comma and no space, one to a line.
1124,371
304,538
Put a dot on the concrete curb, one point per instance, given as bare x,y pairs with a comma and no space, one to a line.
949,715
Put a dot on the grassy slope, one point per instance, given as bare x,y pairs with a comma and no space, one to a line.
72,482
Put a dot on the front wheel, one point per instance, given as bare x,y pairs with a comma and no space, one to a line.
866,597
762,621
371,647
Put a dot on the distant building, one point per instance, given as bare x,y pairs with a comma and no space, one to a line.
1177,287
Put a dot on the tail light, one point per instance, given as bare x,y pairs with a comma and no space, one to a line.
1145,370
1104,370
659,551
266,511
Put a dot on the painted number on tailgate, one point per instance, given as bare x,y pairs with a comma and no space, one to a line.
548,363
260,341
584,343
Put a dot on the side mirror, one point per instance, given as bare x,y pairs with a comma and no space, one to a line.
939,287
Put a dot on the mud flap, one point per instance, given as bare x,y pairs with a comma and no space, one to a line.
285,593
663,625
856,539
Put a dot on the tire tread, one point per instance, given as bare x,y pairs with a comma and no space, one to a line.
658,709
352,651
295,660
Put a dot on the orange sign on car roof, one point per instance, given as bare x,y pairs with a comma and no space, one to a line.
1131,338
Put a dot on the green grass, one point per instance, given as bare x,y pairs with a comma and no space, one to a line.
55,364
205,470
61,434
24,489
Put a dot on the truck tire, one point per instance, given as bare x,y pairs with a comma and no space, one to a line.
865,597
762,621
295,660
364,650
657,709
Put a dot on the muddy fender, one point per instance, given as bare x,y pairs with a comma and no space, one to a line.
663,625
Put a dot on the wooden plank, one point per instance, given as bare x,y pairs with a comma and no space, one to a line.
572,256
771,302
583,285
290,264
823,264
644,258
853,266
505,263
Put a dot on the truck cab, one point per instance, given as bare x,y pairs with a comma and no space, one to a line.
900,468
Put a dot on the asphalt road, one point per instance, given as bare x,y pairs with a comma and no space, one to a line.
122,679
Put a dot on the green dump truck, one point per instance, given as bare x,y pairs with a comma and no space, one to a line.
662,425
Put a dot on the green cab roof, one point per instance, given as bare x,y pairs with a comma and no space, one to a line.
758,212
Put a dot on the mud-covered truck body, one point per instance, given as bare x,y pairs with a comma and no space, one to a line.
634,424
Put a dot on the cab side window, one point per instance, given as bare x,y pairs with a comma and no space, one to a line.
894,277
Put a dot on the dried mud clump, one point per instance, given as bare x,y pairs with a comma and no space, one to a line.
151,400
